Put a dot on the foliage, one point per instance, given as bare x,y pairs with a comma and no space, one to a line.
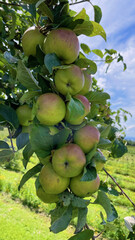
23,79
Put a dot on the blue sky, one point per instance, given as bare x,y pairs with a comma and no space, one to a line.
118,21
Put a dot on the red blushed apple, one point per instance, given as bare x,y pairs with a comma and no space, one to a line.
80,119
84,188
68,161
50,109
69,80
86,137
64,43
30,39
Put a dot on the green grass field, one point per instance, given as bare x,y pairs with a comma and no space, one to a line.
24,216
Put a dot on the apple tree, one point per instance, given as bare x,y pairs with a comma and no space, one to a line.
53,107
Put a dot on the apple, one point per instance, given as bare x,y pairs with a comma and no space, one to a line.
30,39
69,80
99,160
64,43
69,160
45,197
45,160
50,109
84,189
87,83
80,119
51,182
24,114
86,137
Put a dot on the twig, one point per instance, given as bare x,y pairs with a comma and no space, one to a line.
79,2
119,187
10,136
10,4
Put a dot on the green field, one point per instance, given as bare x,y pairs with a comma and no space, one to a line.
24,216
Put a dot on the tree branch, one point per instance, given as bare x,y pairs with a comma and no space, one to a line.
119,187
82,1
10,136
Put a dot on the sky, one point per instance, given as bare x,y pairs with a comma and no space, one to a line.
118,21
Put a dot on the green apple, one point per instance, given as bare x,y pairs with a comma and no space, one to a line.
99,160
50,109
30,39
80,119
84,189
45,160
45,197
69,80
24,114
87,83
69,160
51,182
86,137
64,43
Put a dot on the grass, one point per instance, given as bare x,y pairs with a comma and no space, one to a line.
123,170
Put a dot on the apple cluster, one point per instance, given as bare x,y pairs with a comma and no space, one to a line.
64,167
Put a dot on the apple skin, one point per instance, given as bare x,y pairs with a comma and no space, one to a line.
69,160
24,114
80,119
64,43
45,197
30,39
69,80
87,84
84,189
50,109
86,137
51,182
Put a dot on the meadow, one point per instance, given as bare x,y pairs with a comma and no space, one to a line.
24,216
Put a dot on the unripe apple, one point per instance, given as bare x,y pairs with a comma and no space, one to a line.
69,160
80,119
69,80
87,83
51,182
99,160
24,114
45,197
86,137
84,188
50,109
64,43
30,39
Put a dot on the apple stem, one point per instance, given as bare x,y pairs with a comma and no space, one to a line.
119,187
10,136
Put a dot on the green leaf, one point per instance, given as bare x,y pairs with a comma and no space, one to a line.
87,63
105,132
51,60
85,48
85,28
103,187
9,114
29,174
82,215
78,202
27,96
27,153
6,155
90,174
98,52
104,143
75,109
99,157
98,30
26,78
97,13
118,149
12,31
41,140
97,97
85,235
57,212
45,10
82,15
3,145
90,155
21,140
110,51
62,223
66,198
93,111
10,59
104,201
61,137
